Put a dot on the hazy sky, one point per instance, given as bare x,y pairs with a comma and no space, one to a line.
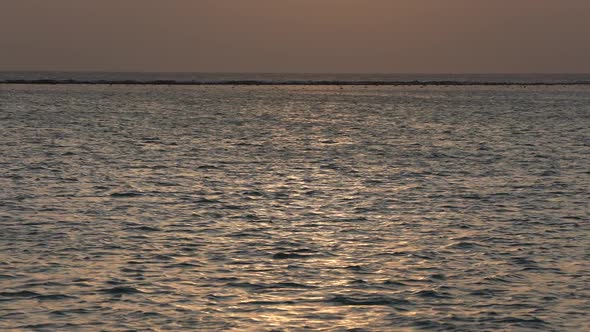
394,36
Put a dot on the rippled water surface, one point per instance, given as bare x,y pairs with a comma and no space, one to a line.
294,208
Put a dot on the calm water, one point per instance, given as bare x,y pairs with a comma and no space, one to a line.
294,208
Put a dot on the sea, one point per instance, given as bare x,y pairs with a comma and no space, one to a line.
294,207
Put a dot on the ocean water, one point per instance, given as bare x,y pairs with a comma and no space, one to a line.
294,208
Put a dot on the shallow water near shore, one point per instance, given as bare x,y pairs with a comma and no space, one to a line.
294,208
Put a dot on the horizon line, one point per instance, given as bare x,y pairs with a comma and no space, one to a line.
280,72
285,83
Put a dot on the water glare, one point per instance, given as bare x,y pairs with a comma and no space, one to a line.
159,208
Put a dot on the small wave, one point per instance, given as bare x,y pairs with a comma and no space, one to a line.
358,282
430,294
366,300
207,167
522,321
269,303
41,326
438,276
34,295
278,285
121,290
126,194
487,292
394,283
524,261
206,200
159,167
183,265
431,325
463,245
293,285
246,285
163,257
166,184
355,268
53,297
216,297
286,255
20,294
13,315
145,229
539,268
253,193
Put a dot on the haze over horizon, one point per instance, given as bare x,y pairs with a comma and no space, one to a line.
311,36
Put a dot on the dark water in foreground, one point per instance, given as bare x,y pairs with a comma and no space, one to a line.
294,208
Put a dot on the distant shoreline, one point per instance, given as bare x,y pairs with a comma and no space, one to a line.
277,83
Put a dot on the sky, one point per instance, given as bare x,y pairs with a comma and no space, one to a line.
297,36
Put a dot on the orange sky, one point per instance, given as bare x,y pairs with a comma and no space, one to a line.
395,36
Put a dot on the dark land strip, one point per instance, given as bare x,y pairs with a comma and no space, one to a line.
255,82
